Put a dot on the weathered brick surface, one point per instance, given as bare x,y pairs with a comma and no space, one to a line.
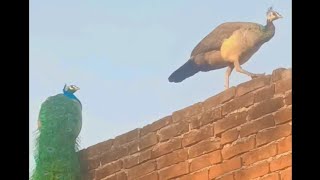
281,162
283,115
172,158
220,98
156,125
272,176
252,172
264,94
187,112
173,130
230,121
252,85
108,169
224,167
285,145
229,136
166,147
205,161
257,125
239,102
286,174
238,148
151,176
265,107
283,85
259,154
174,171
273,134
203,147
141,170
239,134
197,135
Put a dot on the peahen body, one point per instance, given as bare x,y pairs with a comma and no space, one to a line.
59,125
229,45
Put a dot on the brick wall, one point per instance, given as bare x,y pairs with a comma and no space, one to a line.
239,134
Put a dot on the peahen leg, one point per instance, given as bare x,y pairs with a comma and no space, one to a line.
240,70
227,76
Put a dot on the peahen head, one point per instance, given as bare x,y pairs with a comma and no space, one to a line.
272,15
70,89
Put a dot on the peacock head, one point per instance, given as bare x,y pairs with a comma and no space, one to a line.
71,89
272,15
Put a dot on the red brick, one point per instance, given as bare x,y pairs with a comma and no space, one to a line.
288,98
252,172
281,73
173,130
127,137
238,103
285,145
172,158
283,86
148,140
156,125
205,161
200,175
264,94
241,146
273,134
197,135
256,125
99,148
210,116
259,154
226,177
230,121
229,136
204,147
118,176
131,161
252,85
133,146
174,171
144,156
286,174
114,154
91,163
281,162
283,115
166,147
272,176
265,107
224,167
141,170
187,112
219,99
108,169
151,176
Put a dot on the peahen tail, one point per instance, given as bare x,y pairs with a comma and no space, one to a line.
56,144
188,69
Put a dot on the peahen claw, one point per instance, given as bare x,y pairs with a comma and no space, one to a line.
257,75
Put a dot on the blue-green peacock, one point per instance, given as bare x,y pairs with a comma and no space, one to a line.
59,124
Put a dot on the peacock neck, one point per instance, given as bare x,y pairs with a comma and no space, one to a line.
269,30
71,96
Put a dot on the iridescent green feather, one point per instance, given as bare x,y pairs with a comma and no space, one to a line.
56,144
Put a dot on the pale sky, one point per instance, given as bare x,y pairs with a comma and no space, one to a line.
120,53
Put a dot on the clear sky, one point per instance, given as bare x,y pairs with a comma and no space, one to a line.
120,53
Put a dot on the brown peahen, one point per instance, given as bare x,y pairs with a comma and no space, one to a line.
229,45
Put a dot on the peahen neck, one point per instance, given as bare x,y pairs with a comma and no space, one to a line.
269,30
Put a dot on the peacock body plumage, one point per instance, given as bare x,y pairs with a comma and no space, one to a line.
59,124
